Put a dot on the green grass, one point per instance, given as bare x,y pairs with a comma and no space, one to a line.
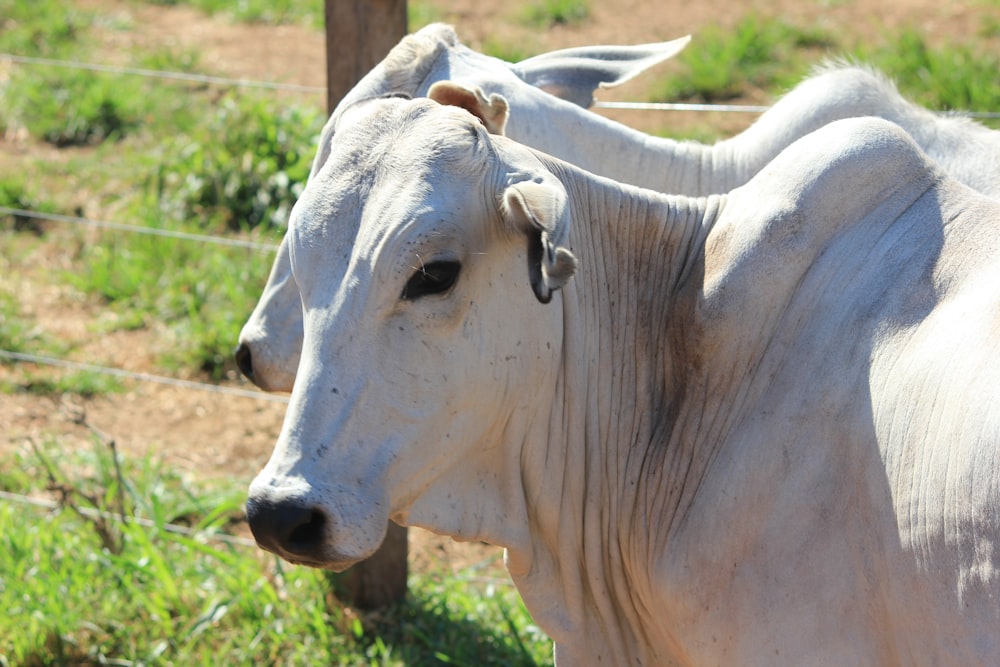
952,77
760,53
76,110
194,161
78,589
542,14
308,12
16,332
724,63
49,28
420,14
244,166
79,383
15,193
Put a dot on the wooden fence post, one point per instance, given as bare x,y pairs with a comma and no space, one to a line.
359,33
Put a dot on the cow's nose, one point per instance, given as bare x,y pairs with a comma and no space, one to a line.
292,530
244,360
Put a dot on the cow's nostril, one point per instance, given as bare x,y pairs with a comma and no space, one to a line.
290,529
305,537
244,360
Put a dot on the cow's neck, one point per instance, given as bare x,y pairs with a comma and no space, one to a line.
605,147
588,482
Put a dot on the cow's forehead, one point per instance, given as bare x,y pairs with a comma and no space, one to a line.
393,160
421,59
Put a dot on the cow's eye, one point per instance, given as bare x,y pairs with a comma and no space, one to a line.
431,278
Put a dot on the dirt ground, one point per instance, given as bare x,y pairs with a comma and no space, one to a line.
211,434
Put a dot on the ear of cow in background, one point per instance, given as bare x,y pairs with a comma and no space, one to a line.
492,111
574,74
539,209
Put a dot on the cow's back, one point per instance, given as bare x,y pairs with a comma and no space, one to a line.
850,514
935,385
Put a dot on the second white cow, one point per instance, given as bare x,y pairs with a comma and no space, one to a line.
270,342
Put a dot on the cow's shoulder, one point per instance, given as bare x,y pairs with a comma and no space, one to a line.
804,204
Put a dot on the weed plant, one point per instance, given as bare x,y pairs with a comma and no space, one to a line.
16,332
75,110
43,28
244,167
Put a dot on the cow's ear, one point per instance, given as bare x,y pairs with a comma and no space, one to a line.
492,111
538,207
574,74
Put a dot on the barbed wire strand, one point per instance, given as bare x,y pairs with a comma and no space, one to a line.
137,229
142,377
741,108
270,85
91,512
162,74
679,106
467,573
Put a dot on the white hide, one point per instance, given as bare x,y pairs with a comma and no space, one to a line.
759,428
967,151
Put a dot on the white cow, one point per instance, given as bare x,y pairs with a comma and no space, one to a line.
270,342
758,428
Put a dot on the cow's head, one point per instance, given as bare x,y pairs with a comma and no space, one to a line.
425,252
271,341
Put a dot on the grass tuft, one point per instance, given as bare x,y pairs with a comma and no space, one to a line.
542,14
724,63
951,77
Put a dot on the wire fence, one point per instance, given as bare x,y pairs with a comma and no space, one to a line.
137,229
62,363
225,241
143,377
289,87
161,74
93,513
188,77
241,243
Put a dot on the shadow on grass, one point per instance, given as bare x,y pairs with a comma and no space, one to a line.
455,627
